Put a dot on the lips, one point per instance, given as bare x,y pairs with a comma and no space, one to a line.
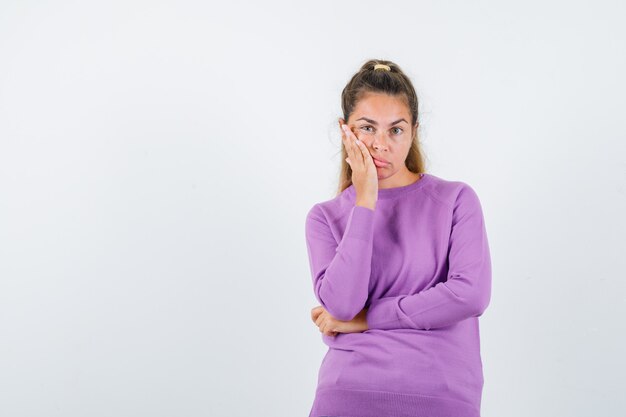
380,163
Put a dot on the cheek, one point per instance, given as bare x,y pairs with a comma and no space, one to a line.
398,155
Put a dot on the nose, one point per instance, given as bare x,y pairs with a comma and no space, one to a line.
380,141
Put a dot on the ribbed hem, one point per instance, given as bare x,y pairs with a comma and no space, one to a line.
363,403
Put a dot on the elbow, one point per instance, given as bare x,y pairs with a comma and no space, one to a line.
471,300
479,303
474,298
342,303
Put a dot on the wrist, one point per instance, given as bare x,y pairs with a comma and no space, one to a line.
366,203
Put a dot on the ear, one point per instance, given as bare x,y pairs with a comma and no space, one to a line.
341,122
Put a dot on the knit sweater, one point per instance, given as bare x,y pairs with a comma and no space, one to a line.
420,263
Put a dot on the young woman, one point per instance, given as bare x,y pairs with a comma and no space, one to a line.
400,265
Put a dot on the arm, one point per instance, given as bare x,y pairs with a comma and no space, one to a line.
467,290
341,271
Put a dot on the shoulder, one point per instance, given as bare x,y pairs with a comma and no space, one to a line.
452,193
332,209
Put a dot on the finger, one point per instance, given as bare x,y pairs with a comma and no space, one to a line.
320,320
314,313
365,152
349,143
327,328
317,311
357,147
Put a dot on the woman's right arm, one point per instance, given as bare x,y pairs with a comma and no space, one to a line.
341,271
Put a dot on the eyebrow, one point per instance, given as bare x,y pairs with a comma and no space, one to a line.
375,123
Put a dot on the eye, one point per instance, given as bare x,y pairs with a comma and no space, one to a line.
365,127
400,130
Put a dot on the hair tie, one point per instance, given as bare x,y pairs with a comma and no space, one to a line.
382,66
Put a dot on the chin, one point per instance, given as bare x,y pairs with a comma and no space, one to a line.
384,175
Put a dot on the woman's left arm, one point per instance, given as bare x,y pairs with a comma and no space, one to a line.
467,291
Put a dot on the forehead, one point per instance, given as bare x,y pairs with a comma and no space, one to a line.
381,107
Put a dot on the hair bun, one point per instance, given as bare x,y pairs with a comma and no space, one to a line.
382,66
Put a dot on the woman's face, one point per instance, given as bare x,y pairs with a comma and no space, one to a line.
383,123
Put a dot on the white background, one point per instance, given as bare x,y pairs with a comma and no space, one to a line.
157,161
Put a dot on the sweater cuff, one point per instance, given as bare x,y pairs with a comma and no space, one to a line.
361,223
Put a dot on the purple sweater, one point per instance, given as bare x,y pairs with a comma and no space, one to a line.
420,262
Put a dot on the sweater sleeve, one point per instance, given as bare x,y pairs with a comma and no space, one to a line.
341,270
467,290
